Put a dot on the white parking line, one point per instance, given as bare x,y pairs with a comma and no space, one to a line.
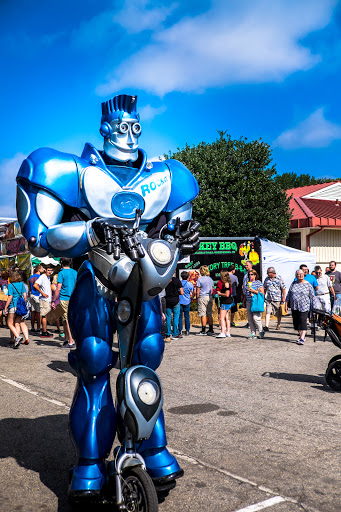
262,504
251,508
35,393
280,499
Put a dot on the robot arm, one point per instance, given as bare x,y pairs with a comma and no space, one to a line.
40,214
181,227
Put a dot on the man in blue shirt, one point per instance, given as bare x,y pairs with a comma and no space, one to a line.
65,285
185,302
308,277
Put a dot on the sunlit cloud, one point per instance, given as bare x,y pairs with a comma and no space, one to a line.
231,43
134,16
314,132
148,112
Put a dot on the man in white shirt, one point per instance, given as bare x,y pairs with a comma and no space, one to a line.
325,288
43,286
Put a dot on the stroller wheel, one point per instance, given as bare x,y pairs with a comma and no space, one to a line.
333,375
335,358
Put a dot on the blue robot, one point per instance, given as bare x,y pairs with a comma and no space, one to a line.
118,208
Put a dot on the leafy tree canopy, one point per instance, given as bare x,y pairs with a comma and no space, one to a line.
238,193
289,180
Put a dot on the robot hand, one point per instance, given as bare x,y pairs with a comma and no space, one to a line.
117,237
187,233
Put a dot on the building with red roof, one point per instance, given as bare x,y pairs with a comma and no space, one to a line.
316,221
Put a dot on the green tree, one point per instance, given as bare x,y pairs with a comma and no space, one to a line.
289,180
238,195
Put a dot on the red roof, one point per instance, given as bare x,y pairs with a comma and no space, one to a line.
313,212
309,189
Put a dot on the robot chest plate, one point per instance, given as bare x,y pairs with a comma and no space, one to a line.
107,198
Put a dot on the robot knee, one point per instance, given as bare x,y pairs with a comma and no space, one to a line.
149,351
93,357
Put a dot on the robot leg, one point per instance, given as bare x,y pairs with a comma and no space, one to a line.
161,465
92,418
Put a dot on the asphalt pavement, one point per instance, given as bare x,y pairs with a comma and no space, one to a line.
252,422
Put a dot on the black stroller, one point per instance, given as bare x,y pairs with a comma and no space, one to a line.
331,323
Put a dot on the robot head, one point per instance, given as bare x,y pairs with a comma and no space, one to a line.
120,127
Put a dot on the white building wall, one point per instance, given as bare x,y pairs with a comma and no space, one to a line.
326,245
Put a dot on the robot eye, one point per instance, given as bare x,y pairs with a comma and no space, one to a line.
136,128
123,127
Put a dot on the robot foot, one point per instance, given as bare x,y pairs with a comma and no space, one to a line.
165,483
86,483
161,466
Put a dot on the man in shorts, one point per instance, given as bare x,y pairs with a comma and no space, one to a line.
274,289
66,281
204,295
43,286
34,299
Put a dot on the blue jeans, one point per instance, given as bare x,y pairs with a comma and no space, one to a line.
184,310
176,313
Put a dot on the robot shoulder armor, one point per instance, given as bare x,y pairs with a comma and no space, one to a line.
53,171
185,187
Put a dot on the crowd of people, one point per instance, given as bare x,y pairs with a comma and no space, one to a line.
306,291
44,298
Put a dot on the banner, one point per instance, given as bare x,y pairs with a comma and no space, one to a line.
219,253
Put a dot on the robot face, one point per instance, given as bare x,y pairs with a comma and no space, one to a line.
122,143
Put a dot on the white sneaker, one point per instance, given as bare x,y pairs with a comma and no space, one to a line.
221,335
228,335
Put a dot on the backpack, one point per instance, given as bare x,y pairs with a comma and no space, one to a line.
21,305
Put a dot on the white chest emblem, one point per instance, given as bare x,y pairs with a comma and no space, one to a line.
108,199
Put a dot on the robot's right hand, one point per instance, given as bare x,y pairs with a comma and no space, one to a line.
117,238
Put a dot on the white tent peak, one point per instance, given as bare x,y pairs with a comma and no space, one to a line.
286,260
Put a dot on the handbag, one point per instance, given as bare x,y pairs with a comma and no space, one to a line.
257,302
283,311
21,309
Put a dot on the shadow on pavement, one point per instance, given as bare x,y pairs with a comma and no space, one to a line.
61,367
42,445
301,377
49,342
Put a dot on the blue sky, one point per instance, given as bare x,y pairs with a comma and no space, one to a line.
256,68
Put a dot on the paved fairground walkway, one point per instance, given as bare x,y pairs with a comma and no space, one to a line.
252,422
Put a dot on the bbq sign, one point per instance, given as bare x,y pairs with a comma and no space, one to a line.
219,253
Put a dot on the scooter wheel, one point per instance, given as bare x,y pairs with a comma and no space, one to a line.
139,494
333,375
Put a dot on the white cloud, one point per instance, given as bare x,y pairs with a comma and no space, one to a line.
9,168
313,132
244,42
134,17
148,112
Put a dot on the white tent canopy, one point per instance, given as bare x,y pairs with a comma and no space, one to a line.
45,260
286,260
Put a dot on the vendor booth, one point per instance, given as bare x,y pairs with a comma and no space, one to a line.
14,250
219,253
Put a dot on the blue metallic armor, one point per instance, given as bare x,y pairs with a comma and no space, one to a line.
60,198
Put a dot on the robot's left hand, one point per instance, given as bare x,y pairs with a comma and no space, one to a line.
188,234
